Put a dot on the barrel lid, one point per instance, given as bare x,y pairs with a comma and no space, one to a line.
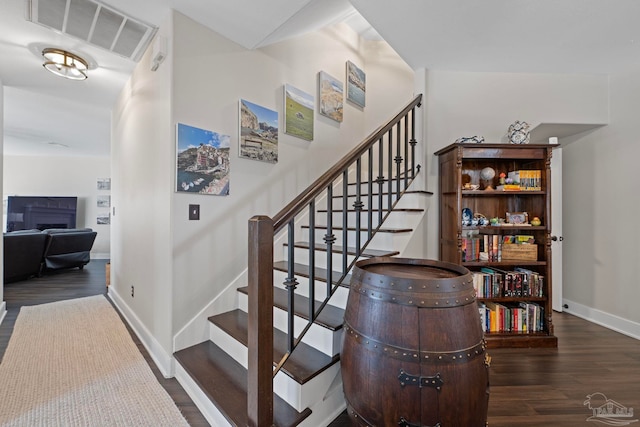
412,268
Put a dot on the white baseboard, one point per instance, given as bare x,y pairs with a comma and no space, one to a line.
3,311
100,255
602,318
164,361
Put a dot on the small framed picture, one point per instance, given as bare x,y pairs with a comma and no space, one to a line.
517,217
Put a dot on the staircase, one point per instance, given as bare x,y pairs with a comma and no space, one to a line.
274,359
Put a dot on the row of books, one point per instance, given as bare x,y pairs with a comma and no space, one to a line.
516,317
489,247
529,180
496,283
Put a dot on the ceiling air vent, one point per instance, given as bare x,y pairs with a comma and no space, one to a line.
94,23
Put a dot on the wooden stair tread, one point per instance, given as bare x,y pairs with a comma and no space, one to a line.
364,230
385,193
303,270
350,250
331,317
305,362
224,381
363,210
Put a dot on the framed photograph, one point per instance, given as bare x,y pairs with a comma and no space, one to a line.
517,218
258,133
104,183
330,93
104,201
356,84
298,113
202,161
103,219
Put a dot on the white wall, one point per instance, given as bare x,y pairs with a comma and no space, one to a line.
2,303
63,176
211,75
462,104
142,156
601,200
178,266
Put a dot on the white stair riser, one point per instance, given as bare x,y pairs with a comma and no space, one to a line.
382,240
299,396
307,394
319,337
338,299
395,219
338,202
301,256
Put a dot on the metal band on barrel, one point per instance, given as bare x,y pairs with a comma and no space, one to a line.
465,294
455,356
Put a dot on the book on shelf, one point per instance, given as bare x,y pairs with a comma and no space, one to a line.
491,282
528,180
518,317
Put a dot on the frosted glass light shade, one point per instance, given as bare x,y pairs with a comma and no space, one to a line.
65,64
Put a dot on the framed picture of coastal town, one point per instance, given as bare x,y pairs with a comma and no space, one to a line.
330,93
356,84
258,133
298,113
202,161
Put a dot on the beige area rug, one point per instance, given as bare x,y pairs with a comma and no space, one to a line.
73,363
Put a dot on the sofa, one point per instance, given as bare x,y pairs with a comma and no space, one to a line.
23,254
29,253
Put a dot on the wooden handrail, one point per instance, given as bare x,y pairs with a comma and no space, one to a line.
288,212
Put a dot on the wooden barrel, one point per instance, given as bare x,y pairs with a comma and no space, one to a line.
413,349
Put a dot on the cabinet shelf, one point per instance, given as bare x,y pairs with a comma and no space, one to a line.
461,164
495,193
503,263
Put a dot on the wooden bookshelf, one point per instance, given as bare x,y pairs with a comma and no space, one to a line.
462,163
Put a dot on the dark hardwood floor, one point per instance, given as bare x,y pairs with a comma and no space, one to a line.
529,387
548,387
77,283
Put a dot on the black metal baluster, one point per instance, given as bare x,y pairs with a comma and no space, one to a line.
291,283
357,205
345,219
413,142
390,170
312,260
380,179
370,196
406,152
398,160
329,239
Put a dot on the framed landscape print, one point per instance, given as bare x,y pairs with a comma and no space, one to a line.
258,133
202,164
298,113
356,87
330,92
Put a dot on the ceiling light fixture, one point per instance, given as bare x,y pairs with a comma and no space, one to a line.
65,64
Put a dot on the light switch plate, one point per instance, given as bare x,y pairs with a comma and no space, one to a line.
194,212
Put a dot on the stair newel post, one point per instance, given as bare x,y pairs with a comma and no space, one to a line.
260,322
380,179
390,171
291,283
329,239
312,259
357,205
345,219
398,160
370,196
413,142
